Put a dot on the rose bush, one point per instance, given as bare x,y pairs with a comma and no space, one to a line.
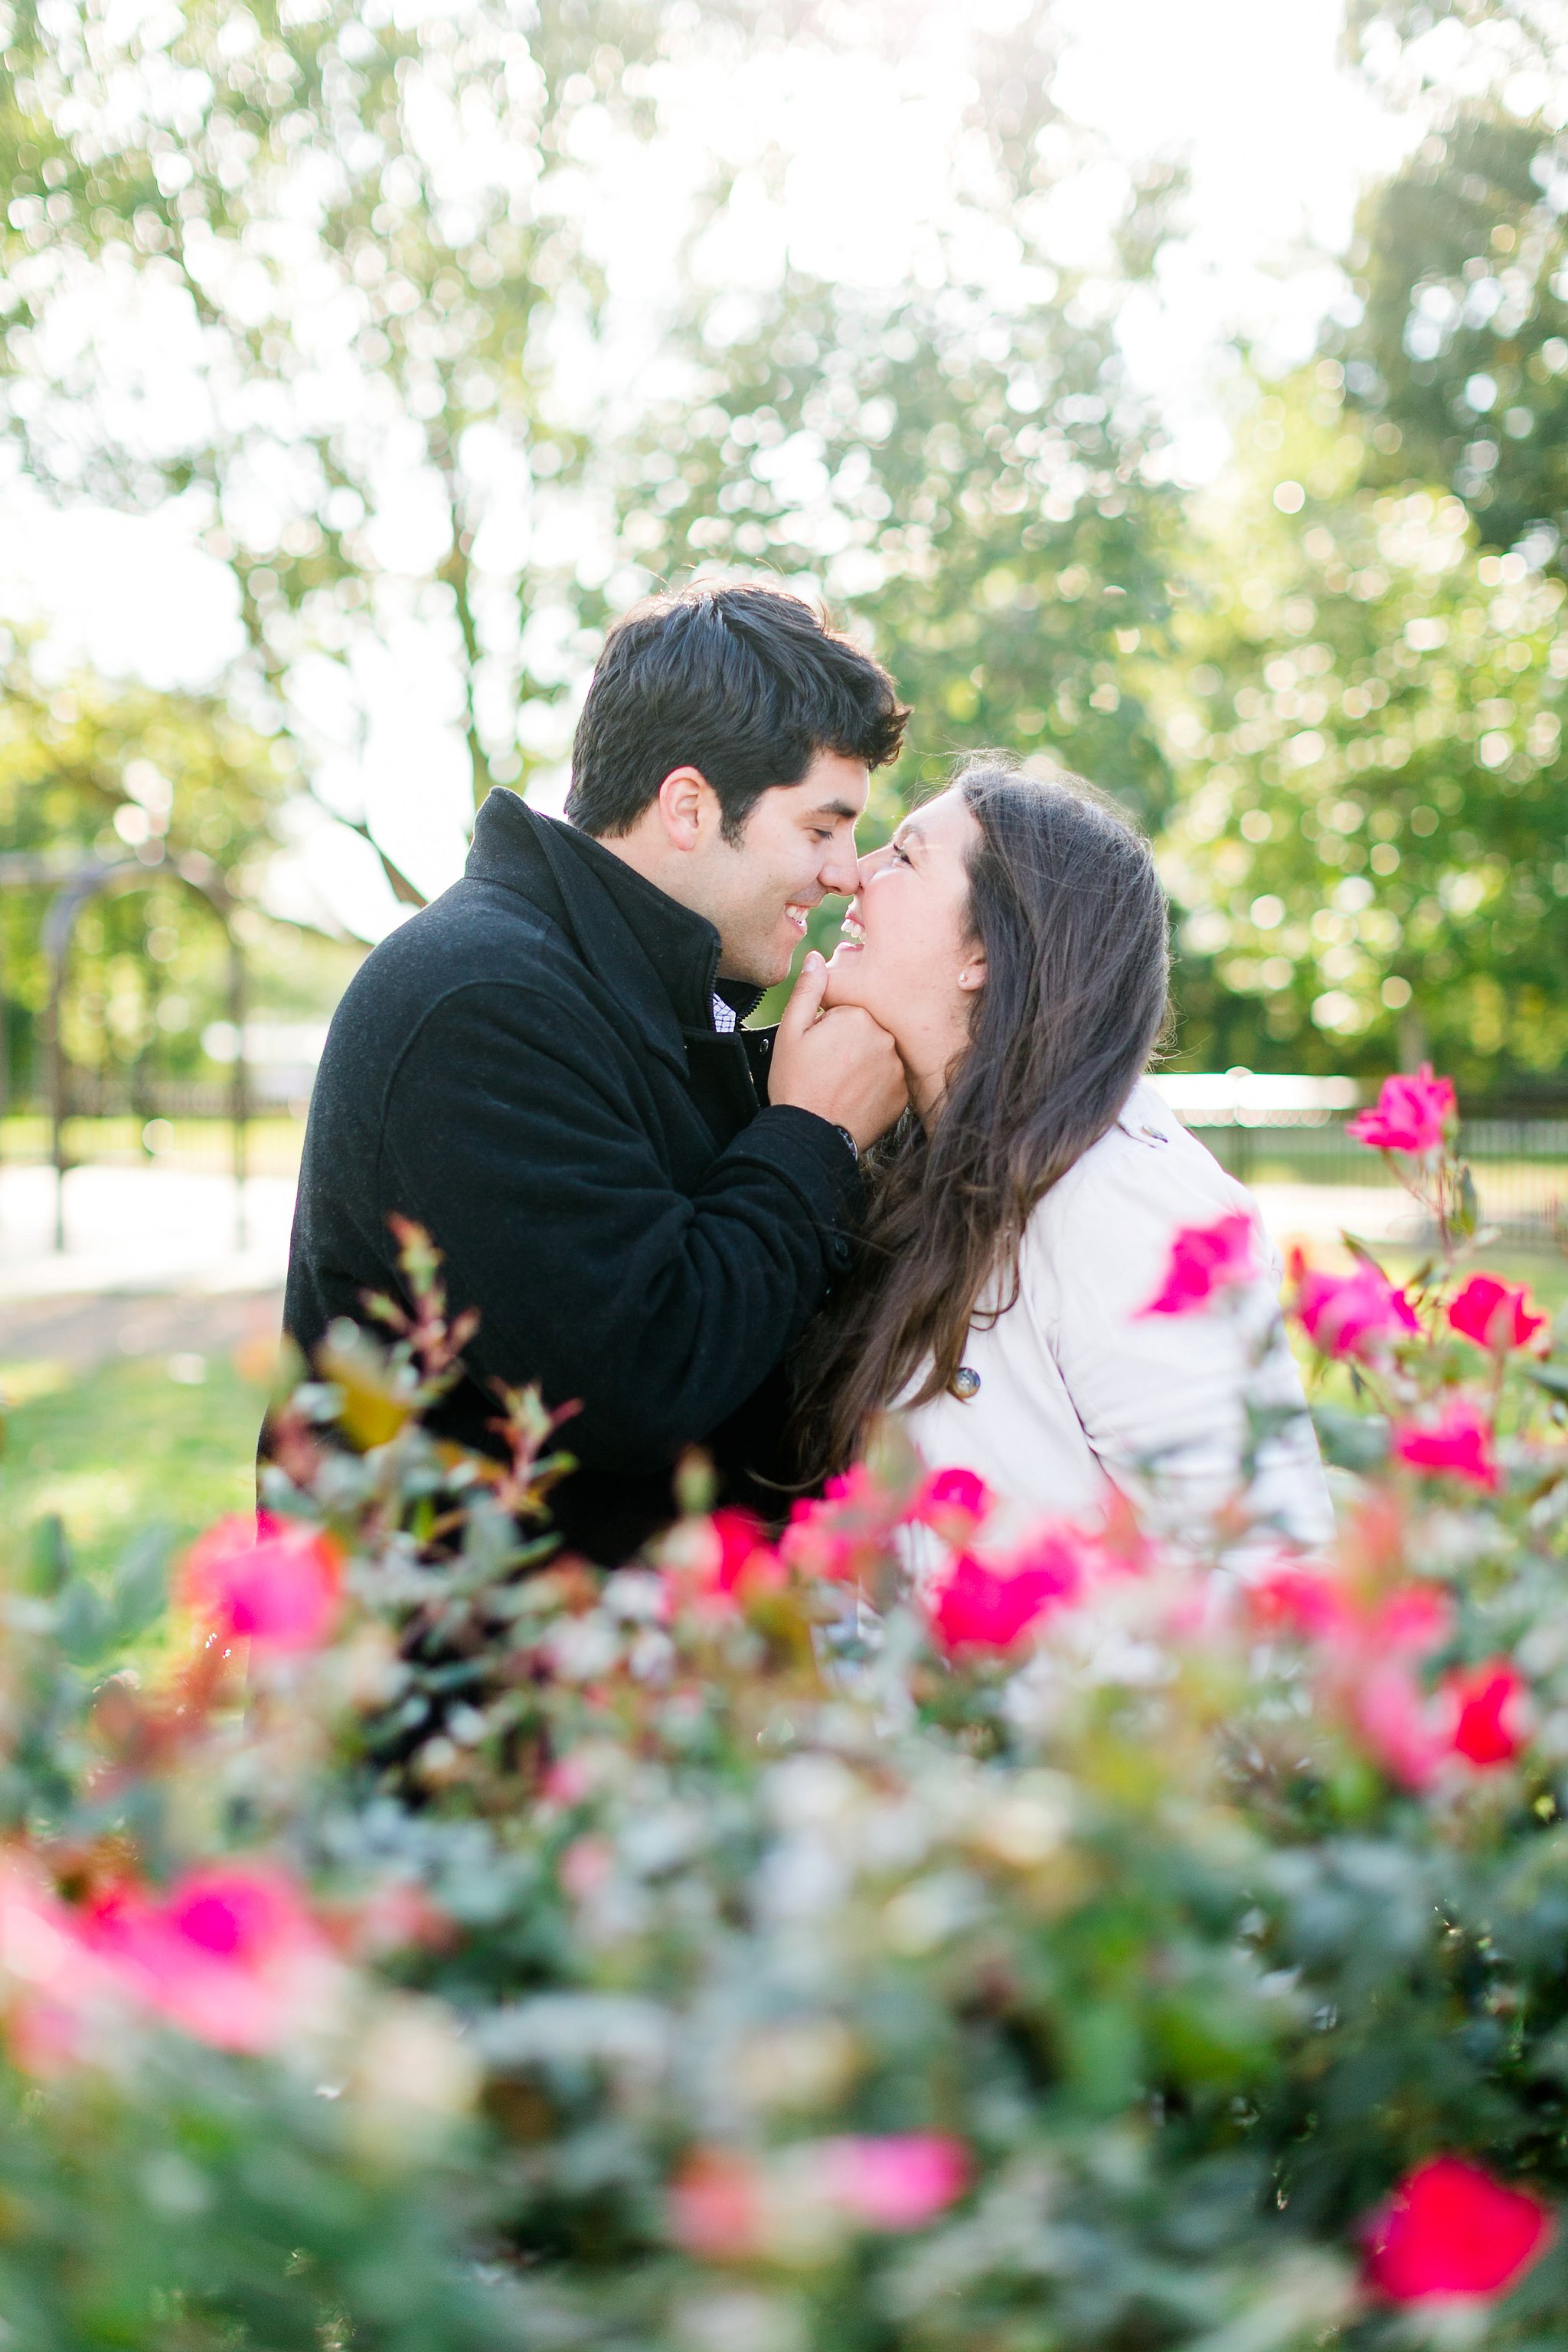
918,1932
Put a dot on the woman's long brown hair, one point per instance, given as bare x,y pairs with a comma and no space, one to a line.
1065,902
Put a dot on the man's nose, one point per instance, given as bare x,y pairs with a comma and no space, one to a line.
840,869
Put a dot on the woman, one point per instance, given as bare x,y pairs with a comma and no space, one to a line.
1012,937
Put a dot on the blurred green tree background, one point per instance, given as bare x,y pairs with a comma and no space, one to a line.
412,430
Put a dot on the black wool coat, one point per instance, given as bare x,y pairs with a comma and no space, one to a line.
529,1068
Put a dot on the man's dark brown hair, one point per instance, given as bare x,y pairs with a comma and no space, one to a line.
745,684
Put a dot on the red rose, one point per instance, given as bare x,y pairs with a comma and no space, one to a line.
1450,2228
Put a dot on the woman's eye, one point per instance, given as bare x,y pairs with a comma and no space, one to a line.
900,853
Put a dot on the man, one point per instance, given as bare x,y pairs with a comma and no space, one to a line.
546,1069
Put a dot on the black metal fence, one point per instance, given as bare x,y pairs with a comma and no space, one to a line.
1519,1165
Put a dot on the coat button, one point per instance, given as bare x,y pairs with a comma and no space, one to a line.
965,1384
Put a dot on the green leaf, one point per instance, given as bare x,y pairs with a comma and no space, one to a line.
1351,1441
83,1624
1552,1378
141,1583
48,1555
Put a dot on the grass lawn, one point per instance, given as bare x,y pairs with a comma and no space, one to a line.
114,1450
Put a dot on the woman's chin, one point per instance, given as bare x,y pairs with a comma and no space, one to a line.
842,976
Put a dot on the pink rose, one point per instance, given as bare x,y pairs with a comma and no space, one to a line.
1457,1444
1205,1262
1488,1712
953,1502
898,2180
717,2207
1495,1315
1358,1314
1450,2228
1300,1600
274,1582
734,1559
1398,1722
977,1606
54,1985
1411,1114
231,1954
846,1535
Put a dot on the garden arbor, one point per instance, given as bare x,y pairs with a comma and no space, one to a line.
78,883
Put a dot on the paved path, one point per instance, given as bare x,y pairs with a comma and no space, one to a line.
153,1265
140,1229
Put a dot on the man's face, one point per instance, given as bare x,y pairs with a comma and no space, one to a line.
797,848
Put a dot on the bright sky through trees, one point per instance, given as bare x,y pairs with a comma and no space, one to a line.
851,165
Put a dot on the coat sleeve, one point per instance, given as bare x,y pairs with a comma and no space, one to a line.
527,1154
1164,1399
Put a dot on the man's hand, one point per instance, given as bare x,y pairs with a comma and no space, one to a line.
840,1064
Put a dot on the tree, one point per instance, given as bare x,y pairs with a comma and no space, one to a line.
1460,363
968,486
1372,848
963,468
345,232
86,770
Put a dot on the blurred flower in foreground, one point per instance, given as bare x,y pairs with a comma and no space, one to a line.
721,1561
952,1502
1411,1114
1205,1262
1372,1655
274,1582
231,1954
716,2207
844,1535
1359,1314
52,1983
977,1606
1457,1444
898,2181
1450,2228
1489,1706
1495,1314
728,2206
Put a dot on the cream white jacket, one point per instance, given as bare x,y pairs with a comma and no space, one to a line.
1079,1394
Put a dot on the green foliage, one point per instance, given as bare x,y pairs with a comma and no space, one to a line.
121,1446
1374,788
712,1874
971,483
90,771
1462,358
350,236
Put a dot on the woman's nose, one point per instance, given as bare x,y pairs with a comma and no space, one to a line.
873,862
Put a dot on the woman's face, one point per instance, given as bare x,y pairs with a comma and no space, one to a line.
908,956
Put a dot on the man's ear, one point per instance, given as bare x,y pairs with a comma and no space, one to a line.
682,800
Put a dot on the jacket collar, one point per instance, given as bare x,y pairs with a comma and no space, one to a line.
657,958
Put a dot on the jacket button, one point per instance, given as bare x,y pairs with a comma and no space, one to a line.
965,1384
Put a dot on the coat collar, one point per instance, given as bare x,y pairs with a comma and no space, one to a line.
657,957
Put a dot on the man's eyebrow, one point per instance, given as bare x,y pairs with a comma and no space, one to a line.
835,809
